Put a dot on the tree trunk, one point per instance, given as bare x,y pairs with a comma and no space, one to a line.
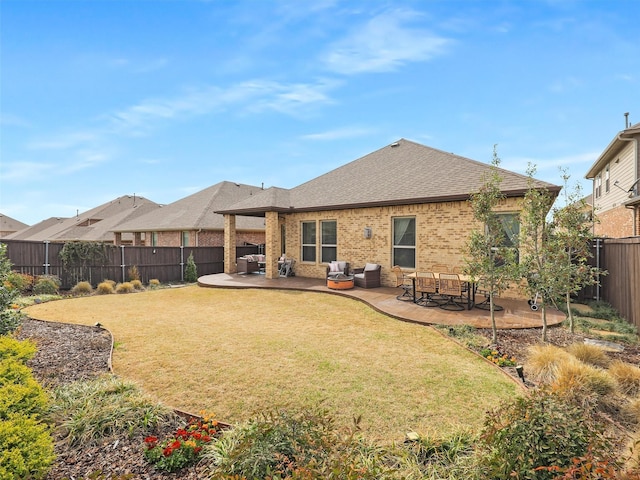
544,322
494,329
570,313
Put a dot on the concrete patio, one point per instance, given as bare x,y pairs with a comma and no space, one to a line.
516,313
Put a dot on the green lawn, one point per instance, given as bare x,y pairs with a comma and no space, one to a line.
237,352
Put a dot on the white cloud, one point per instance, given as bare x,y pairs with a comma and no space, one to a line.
384,44
339,134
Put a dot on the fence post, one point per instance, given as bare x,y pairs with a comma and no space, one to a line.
122,265
182,263
46,257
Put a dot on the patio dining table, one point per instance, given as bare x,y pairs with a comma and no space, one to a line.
471,287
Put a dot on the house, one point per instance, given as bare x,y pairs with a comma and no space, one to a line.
10,225
616,186
405,204
192,221
93,225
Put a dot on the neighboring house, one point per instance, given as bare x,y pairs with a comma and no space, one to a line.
192,221
405,204
616,186
95,225
10,225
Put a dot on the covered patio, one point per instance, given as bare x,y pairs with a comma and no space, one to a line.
516,313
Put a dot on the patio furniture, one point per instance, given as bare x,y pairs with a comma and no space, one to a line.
337,267
485,304
248,264
286,268
403,281
450,289
427,286
367,276
440,268
340,282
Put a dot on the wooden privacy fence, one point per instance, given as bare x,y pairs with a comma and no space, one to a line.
167,264
621,287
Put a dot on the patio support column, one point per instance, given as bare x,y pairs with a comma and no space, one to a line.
272,244
230,244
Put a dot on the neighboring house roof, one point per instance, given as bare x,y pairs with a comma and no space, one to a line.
197,211
96,224
401,173
617,144
10,225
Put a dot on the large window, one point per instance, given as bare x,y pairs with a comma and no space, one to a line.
329,240
598,188
404,242
308,241
511,231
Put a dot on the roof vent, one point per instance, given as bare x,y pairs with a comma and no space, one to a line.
395,144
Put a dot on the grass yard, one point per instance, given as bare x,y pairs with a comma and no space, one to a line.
238,352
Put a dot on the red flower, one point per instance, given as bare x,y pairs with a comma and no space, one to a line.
167,451
182,433
175,445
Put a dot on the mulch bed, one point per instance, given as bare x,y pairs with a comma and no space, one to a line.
67,353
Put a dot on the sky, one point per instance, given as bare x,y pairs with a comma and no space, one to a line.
161,99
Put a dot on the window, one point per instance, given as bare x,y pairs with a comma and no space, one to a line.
154,239
404,242
308,241
510,229
598,189
185,239
329,240
606,179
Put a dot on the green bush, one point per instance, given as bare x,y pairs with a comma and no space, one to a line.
82,288
191,271
19,390
105,288
26,448
23,282
124,287
541,430
296,446
46,285
16,349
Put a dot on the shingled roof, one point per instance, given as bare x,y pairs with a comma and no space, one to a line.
197,211
401,173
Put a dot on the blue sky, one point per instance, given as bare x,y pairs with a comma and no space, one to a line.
161,99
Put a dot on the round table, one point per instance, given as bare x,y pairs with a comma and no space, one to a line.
340,282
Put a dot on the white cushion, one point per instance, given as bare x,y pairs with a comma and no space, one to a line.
342,265
370,266
359,275
334,267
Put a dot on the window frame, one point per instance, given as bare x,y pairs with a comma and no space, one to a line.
307,246
397,248
326,245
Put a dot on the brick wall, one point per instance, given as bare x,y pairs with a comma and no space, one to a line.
205,238
615,223
442,231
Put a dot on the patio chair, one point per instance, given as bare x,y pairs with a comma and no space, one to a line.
367,276
450,289
427,286
485,304
403,282
337,268
440,268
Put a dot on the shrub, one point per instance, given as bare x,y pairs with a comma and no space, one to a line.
154,283
589,354
16,349
630,411
86,412
82,288
104,288
191,271
576,380
627,376
9,317
133,273
447,458
124,287
292,445
19,390
23,282
542,430
137,285
26,448
46,285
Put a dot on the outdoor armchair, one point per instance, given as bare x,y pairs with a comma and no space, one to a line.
367,276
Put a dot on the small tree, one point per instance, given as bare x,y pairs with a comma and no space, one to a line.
542,253
191,271
487,257
573,231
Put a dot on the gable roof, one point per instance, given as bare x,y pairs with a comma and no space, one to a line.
10,225
613,148
96,224
197,211
401,173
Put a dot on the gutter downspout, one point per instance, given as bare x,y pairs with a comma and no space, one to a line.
634,207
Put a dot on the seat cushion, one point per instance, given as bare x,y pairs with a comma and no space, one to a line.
370,266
